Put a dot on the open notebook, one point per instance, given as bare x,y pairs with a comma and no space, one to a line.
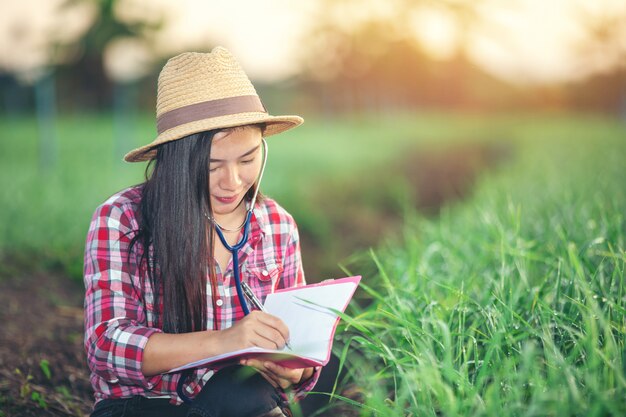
308,312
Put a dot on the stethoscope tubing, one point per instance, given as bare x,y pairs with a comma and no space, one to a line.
234,249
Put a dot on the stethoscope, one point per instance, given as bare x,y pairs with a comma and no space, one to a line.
234,249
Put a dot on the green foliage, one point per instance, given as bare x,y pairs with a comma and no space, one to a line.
327,173
509,304
45,368
39,399
25,382
65,392
46,214
29,391
512,303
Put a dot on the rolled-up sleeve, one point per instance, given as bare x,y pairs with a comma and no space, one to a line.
301,389
116,330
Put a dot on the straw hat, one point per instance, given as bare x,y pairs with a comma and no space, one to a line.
199,92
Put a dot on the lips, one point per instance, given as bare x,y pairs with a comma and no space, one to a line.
226,200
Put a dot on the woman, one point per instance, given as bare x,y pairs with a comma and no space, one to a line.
161,288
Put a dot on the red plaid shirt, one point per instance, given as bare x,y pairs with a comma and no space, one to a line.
119,308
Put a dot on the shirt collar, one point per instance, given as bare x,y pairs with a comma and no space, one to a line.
258,229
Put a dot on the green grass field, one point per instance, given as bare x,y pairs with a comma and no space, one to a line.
512,303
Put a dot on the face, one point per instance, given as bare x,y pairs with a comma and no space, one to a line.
235,162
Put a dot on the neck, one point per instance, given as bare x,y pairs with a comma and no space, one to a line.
231,222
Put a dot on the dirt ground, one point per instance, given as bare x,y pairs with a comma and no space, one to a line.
43,370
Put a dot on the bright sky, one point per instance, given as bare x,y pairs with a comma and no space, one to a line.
522,40
542,40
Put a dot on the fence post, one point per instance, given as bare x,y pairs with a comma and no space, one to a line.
45,105
124,95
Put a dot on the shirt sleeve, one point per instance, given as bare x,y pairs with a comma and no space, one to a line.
293,273
301,389
115,316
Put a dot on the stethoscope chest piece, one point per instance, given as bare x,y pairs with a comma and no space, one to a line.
234,249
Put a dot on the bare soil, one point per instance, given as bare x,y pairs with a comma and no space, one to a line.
43,371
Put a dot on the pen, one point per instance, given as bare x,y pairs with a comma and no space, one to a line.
252,298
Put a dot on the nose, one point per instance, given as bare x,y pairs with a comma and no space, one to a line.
231,180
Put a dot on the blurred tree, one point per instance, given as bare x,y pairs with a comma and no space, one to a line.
368,56
602,53
84,71
604,46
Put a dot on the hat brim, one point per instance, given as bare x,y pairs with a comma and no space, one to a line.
273,125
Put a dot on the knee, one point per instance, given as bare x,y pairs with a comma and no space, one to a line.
236,391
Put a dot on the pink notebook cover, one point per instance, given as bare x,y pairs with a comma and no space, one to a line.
296,361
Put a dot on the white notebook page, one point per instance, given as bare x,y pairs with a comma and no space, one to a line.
310,323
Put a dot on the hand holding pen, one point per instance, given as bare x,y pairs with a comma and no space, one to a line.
255,301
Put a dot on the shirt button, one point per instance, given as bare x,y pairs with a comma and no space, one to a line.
264,272
219,302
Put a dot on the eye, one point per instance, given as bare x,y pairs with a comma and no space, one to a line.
247,161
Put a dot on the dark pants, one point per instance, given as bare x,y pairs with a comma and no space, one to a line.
233,391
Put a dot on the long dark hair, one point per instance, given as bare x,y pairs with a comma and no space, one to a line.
176,238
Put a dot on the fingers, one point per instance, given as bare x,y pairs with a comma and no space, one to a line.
277,375
262,330
260,366
273,322
291,375
268,338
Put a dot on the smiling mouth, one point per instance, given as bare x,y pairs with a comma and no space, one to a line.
226,200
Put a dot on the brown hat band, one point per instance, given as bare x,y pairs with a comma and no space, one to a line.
209,109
